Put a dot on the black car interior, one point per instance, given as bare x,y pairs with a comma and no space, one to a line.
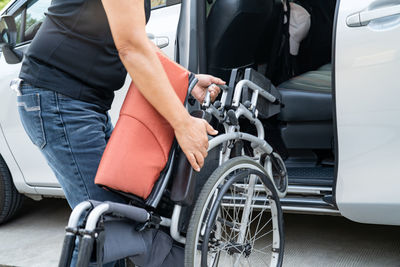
248,33
235,34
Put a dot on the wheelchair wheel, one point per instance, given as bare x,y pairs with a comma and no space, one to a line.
237,219
276,167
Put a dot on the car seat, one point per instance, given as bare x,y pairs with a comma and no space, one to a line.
236,32
307,112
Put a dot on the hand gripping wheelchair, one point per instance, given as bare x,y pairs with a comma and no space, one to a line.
229,214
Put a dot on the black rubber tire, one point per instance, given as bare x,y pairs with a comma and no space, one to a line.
10,199
191,245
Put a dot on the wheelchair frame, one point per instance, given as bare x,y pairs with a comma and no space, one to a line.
228,114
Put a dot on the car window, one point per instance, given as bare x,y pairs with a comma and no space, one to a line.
163,3
34,17
3,34
28,19
18,22
30,16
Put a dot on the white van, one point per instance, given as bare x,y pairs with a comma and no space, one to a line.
336,129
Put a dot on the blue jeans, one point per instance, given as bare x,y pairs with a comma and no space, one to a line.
72,136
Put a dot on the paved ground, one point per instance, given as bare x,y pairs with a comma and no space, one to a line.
35,237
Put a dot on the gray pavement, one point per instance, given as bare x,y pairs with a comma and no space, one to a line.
35,238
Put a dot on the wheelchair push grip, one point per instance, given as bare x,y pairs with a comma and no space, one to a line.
67,251
85,251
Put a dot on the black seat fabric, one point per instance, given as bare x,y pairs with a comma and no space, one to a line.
307,111
235,32
308,97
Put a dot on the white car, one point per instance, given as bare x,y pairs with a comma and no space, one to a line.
337,128
23,169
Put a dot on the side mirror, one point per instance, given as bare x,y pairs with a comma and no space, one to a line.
8,40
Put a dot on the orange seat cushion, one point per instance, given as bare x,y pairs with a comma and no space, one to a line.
139,146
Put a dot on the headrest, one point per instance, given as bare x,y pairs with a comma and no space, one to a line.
299,26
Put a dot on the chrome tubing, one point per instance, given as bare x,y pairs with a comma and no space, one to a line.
174,225
243,111
256,142
254,87
77,213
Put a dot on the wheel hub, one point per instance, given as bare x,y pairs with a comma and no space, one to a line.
236,248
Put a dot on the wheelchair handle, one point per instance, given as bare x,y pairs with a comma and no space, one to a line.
207,99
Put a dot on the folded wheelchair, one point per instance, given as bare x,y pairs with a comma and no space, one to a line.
228,214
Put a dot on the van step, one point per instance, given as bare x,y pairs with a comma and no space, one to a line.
310,210
315,176
311,205
304,202
309,190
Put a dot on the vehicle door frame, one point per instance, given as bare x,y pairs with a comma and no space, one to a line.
192,55
335,127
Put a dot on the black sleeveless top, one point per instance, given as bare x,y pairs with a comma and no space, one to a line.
74,54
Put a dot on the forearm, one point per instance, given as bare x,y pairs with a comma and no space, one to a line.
127,23
138,54
149,76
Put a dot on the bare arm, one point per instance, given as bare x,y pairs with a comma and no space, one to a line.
127,23
205,82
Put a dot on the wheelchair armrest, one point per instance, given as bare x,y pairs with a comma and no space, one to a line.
265,108
183,185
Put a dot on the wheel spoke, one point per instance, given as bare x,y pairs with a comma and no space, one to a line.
266,233
270,220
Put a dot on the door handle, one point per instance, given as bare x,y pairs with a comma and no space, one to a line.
160,41
363,18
